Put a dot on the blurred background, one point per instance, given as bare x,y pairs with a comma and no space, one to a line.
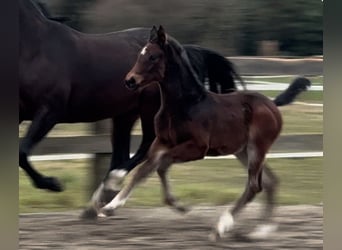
232,27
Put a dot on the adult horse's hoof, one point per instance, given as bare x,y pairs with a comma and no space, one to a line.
89,213
50,183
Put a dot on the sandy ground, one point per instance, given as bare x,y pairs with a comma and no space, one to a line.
299,227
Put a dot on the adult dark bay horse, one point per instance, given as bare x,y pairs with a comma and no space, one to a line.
67,76
192,123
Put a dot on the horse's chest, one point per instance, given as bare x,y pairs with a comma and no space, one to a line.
171,130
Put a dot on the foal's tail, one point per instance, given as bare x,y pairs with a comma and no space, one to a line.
222,73
298,85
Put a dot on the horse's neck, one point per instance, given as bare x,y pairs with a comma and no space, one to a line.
180,90
32,25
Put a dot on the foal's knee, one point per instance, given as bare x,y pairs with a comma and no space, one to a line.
255,181
255,187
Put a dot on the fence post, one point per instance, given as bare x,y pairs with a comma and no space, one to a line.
268,48
101,160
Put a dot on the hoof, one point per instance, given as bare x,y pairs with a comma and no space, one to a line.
107,212
89,213
263,231
241,237
173,203
214,236
50,183
182,209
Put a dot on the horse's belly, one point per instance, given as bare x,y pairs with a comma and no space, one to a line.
221,151
225,145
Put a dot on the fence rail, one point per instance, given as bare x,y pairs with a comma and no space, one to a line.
100,144
278,66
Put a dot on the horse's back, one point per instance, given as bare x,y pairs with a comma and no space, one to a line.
235,119
79,71
256,110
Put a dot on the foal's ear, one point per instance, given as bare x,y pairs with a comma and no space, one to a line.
154,34
158,36
161,36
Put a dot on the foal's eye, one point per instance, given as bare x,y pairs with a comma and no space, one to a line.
153,58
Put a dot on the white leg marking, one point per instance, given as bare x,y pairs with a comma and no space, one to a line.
101,215
115,179
143,51
262,231
115,203
96,195
225,223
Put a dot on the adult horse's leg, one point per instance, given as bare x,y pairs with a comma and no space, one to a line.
149,103
121,138
42,123
121,135
255,158
269,184
111,184
121,165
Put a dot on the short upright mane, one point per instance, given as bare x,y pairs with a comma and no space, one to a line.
176,46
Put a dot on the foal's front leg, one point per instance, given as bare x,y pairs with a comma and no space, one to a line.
188,151
147,168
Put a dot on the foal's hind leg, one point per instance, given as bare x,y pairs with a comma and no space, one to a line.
253,186
269,184
40,126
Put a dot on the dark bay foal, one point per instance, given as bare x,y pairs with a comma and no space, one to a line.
192,123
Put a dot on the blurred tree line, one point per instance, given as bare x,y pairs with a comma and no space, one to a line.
233,27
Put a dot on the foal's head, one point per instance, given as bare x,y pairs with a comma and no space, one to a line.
150,65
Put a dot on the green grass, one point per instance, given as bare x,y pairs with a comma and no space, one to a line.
214,182
300,119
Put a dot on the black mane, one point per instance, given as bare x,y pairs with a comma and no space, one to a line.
192,87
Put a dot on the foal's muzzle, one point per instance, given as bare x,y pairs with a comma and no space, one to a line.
131,84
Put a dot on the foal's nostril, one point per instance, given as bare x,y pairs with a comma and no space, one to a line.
131,83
